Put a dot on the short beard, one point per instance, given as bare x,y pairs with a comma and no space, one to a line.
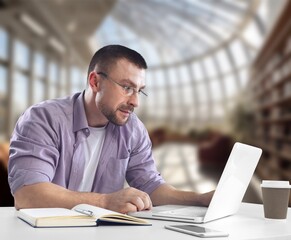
111,115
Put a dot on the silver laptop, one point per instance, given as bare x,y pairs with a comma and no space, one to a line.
227,198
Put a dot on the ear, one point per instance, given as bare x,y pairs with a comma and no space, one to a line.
94,81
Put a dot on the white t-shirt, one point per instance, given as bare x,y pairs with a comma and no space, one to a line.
92,149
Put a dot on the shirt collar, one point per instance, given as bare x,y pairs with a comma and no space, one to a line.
79,114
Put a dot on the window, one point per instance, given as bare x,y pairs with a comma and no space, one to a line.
244,77
210,68
202,93
238,52
53,80
20,88
78,80
198,73
253,36
39,81
159,78
38,90
172,77
20,95
149,81
223,61
63,82
21,55
39,65
215,90
230,85
184,75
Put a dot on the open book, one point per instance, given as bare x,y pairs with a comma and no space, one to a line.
80,215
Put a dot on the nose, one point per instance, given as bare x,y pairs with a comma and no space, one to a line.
133,99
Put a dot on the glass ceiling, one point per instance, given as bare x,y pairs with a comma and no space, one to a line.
169,32
198,54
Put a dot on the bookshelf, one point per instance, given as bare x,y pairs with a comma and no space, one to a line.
271,91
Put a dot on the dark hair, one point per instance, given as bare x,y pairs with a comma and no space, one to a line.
108,56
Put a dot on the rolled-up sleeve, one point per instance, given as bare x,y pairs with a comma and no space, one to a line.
33,150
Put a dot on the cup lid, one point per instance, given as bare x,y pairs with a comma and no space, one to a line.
275,184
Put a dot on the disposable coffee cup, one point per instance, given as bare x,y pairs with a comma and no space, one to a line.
275,199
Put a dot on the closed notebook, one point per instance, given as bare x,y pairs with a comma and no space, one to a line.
80,215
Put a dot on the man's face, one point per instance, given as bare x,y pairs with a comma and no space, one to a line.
113,101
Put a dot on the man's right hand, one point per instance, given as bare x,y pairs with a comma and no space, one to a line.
127,200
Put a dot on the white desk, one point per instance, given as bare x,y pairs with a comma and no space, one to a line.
248,223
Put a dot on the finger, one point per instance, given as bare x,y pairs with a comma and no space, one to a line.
142,202
128,207
147,201
138,202
139,198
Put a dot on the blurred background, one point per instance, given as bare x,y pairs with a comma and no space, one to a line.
219,72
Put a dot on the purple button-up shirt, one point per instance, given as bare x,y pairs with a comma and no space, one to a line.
46,147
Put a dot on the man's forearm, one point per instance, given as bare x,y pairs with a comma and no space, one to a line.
166,194
51,195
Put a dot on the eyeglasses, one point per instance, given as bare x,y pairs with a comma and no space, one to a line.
127,90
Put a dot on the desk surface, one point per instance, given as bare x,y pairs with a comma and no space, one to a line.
248,223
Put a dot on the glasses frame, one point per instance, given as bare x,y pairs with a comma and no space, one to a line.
126,89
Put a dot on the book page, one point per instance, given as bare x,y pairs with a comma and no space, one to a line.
110,216
50,212
97,212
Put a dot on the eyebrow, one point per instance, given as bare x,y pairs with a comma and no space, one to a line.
128,81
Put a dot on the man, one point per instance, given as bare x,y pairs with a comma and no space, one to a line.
81,149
